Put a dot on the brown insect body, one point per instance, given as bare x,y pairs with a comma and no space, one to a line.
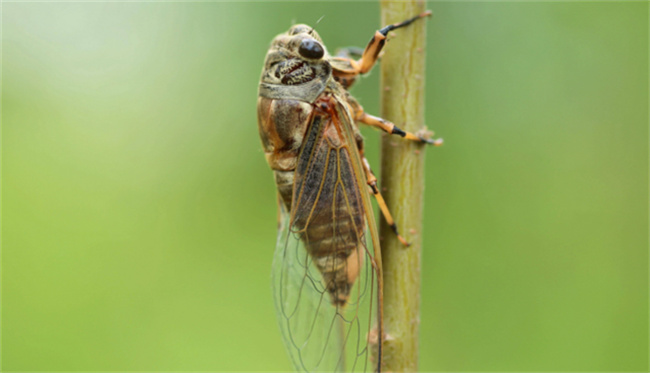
284,117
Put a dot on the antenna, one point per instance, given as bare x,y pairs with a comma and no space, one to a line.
316,24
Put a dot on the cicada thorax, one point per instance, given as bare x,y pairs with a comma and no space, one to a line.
282,125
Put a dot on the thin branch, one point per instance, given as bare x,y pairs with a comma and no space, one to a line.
402,171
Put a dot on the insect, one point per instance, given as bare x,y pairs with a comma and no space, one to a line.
327,274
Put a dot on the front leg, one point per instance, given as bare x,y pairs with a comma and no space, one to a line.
346,70
378,40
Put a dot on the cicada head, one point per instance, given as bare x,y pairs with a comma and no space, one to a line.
296,57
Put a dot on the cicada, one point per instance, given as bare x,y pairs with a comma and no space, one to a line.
327,273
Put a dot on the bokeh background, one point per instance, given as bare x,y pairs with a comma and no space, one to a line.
139,214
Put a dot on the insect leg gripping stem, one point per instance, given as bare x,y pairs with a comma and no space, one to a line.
370,54
377,42
392,129
371,180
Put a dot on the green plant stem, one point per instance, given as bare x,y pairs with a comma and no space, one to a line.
402,177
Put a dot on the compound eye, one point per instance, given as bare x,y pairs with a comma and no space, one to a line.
310,48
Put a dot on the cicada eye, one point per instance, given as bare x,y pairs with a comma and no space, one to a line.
310,48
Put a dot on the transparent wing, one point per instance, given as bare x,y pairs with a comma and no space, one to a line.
324,276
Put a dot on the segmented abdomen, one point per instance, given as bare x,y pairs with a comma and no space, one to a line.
334,247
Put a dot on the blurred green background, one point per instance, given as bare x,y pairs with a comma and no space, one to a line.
139,214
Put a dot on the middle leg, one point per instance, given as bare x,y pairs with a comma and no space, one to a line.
361,116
